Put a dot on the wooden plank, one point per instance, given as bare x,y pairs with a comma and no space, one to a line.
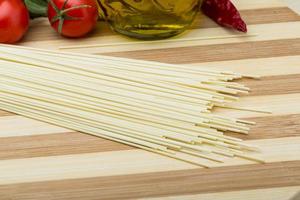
295,5
182,182
285,84
282,193
42,161
21,126
277,104
274,66
218,52
282,71
272,127
54,145
130,162
255,4
5,113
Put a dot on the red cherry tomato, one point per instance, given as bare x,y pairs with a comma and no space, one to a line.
73,18
14,20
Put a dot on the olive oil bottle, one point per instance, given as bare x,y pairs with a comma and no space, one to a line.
149,19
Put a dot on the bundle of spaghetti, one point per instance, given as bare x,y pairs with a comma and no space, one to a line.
162,108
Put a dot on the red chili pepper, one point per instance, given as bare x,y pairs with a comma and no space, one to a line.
224,13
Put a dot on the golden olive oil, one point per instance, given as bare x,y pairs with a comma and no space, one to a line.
149,19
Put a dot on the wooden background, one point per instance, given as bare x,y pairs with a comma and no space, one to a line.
295,5
42,161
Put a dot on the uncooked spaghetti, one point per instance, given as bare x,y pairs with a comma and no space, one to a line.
162,108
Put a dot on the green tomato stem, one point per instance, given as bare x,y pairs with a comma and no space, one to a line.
61,14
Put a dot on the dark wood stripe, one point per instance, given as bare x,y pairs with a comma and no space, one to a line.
182,182
55,144
4,113
219,52
256,16
272,127
273,85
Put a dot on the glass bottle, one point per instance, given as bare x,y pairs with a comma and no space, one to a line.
149,19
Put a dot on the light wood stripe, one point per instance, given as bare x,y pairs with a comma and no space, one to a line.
277,104
129,162
20,126
180,182
255,4
220,52
274,66
282,193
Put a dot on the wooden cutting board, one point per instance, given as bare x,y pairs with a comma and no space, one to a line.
42,161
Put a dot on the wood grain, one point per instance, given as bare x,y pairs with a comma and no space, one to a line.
129,162
77,143
4,113
272,127
286,84
248,5
12,126
42,161
278,193
234,51
264,67
181,182
55,144
284,104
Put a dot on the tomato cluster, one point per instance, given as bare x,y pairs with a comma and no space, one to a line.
70,18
